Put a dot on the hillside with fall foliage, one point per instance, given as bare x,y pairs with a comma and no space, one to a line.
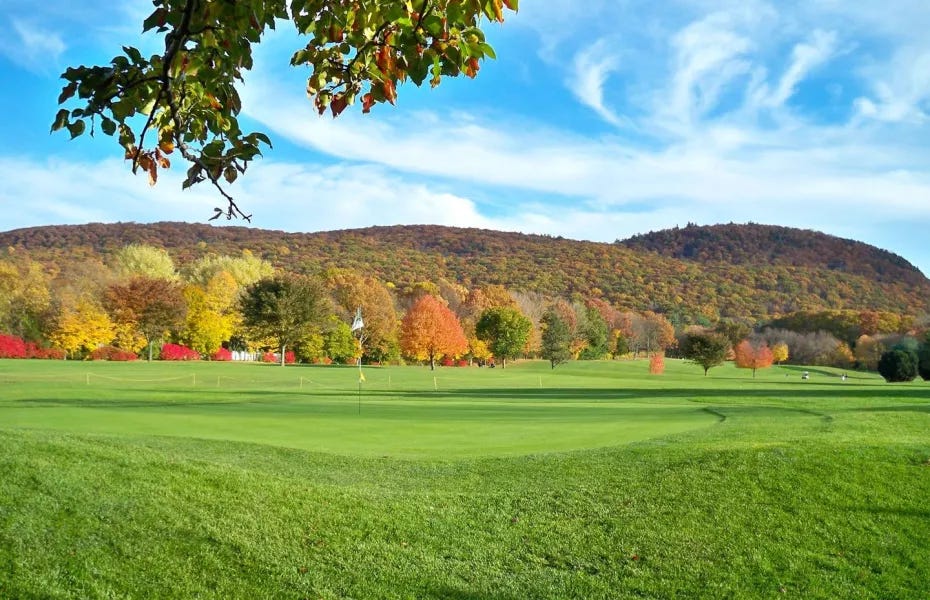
718,275
762,245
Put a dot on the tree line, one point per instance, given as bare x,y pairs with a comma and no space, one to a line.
141,298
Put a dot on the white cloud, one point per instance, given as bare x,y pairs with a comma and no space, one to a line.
279,195
31,46
709,55
804,58
901,90
592,67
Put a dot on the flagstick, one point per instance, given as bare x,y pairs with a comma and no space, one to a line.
359,396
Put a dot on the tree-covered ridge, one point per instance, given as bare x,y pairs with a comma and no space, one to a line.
686,290
754,244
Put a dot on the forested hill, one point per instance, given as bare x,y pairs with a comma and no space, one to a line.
755,244
629,278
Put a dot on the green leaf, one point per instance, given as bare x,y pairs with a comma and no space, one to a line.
108,126
156,19
61,119
76,128
67,92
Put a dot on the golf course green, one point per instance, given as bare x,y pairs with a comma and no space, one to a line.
594,480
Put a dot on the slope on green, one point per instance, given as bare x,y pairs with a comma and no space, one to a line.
773,487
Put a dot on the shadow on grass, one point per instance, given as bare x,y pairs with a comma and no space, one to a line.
801,391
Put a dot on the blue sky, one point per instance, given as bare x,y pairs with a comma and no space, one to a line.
599,120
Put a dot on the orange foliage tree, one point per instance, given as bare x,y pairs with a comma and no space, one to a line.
753,356
430,330
657,364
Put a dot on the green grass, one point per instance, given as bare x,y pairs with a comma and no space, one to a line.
596,480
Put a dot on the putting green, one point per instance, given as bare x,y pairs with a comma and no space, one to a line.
399,413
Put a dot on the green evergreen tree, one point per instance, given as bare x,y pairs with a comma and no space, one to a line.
898,366
595,333
556,338
923,361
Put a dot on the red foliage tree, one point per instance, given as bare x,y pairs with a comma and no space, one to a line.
753,356
430,330
151,306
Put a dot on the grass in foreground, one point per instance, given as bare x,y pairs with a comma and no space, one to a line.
672,486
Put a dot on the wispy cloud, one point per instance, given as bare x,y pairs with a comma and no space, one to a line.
30,46
592,67
805,57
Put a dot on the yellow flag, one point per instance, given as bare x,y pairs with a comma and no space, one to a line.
361,376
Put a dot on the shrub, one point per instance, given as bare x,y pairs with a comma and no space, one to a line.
112,353
223,354
289,358
35,351
322,360
178,352
657,364
447,361
12,347
897,366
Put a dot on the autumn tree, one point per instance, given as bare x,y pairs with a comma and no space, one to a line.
284,309
706,349
868,351
657,364
150,307
556,338
211,319
430,330
82,328
186,98
652,333
244,269
140,260
351,291
780,352
24,298
505,330
749,355
733,330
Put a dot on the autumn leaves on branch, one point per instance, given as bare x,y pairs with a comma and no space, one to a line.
188,95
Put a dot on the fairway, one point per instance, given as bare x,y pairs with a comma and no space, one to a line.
596,480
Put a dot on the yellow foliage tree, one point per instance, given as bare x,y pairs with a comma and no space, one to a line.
84,327
206,326
780,352
478,349
128,337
